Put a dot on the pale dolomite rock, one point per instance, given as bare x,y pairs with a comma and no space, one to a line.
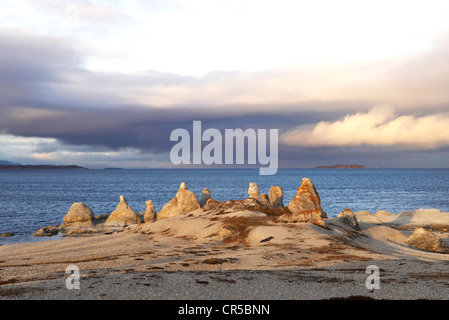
150,213
305,206
184,201
253,190
348,218
426,240
366,217
233,205
79,214
254,193
47,231
205,195
123,214
276,197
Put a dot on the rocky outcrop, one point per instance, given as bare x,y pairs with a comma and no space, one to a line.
150,213
123,214
80,215
264,200
305,206
6,234
254,193
382,214
47,231
366,217
184,201
276,197
426,240
348,218
253,190
234,205
432,219
205,195
256,201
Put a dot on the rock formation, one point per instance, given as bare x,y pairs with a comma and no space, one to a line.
254,193
253,190
79,214
348,218
184,201
205,195
305,206
433,219
150,214
234,205
383,214
366,217
276,197
47,231
426,240
6,234
123,214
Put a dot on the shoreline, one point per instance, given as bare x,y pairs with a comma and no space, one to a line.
302,261
209,249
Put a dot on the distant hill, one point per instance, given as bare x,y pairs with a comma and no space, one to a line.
343,166
8,163
37,167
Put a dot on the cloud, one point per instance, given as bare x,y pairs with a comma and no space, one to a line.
410,82
47,92
377,127
64,14
37,69
34,150
15,147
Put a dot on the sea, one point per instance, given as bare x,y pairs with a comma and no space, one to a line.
32,199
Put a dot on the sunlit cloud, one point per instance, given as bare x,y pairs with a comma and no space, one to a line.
93,82
378,127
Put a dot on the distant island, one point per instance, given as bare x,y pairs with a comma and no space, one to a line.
37,167
343,166
4,162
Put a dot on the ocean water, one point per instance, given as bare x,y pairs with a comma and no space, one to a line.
32,199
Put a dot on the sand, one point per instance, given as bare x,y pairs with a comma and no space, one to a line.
227,255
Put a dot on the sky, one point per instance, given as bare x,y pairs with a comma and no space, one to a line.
104,83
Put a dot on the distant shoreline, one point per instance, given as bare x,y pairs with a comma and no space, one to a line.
343,166
40,167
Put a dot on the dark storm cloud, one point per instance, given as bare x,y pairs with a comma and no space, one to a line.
131,126
46,93
28,65
35,59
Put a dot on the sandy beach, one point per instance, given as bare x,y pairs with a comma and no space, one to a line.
186,257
